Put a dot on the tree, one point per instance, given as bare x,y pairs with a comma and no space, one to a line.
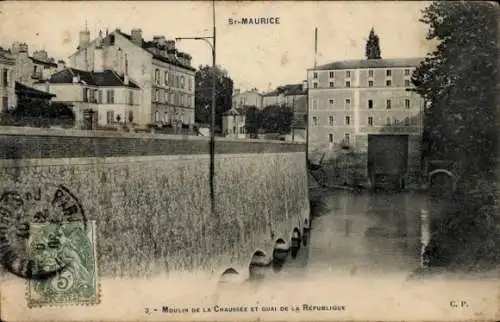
252,119
203,94
39,113
372,49
459,82
276,119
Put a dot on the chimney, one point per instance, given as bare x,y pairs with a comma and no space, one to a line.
23,48
76,79
170,45
41,55
60,65
160,41
136,36
84,40
304,85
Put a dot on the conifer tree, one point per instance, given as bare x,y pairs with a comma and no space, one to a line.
372,50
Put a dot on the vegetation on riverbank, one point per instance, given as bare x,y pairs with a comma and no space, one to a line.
458,81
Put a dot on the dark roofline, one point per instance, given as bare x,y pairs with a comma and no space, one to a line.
370,63
155,56
43,62
30,91
74,71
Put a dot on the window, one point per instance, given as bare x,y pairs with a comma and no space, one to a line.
315,120
347,120
85,94
99,97
157,76
407,121
370,73
157,95
131,97
110,117
370,121
370,83
331,101
315,75
330,137
407,83
315,85
110,96
112,39
93,96
388,82
347,103
395,121
5,78
190,85
388,121
157,116
347,74
130,116
407,72
347,84
388,73
370,103
407,103
388,104
331,74
166,78
5,103
314,104
331,84
330,120
347,138
182,81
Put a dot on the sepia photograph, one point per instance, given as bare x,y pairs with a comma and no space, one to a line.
249,160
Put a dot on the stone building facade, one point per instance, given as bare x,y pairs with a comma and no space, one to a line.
351,100
163,74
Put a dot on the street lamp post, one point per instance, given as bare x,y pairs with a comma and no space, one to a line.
212,118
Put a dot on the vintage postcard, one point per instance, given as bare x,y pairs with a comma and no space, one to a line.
249,160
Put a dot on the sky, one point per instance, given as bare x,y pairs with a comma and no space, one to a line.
261,56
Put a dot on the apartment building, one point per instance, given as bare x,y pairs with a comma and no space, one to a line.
163,74
114,98
349,101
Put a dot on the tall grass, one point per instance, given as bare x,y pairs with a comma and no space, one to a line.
154,217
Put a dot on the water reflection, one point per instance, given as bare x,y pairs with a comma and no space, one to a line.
363,232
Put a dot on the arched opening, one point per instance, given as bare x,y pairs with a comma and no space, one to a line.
441,182
258,265
280,253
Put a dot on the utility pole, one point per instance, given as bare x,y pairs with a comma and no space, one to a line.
212,118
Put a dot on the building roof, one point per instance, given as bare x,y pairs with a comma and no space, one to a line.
5,59
287,90
371,63
106,78
146,45
294,89
24,90
41,62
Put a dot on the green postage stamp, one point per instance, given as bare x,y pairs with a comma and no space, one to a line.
70,248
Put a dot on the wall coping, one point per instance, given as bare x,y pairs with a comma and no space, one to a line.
33,131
